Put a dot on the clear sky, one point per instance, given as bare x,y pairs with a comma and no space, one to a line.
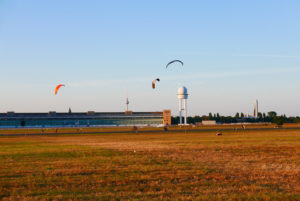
233,52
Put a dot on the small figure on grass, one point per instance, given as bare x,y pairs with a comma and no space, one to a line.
135,129
165,128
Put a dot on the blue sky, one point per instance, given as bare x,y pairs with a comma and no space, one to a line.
233,52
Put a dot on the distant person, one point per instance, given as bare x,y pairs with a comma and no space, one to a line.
135,129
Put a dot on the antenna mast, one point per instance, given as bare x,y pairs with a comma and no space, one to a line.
127,101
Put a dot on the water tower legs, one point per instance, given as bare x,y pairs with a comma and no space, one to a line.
180,111
185,111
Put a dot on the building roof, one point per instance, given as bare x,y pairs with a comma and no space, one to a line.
89,114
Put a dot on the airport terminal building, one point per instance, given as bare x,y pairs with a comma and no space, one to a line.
84,119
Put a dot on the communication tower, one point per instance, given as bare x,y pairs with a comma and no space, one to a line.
127,103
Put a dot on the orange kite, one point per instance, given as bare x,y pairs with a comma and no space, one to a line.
58,87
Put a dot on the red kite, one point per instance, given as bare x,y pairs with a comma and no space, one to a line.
58,87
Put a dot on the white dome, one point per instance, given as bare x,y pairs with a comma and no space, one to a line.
182,90
182,93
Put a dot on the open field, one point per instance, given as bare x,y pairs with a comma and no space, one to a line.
120,129
239,165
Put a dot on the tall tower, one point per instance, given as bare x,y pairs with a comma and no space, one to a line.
255,114
182,95
127,103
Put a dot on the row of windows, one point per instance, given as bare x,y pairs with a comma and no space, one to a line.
81,122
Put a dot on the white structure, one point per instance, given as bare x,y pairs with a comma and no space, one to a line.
255,114
127,103
182,95
255,111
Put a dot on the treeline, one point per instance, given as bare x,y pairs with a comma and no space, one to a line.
240,118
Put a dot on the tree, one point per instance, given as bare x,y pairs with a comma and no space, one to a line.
272,114
205,117
190,120
210,116
278,120
237,115
175,120
218,117
197,119
297,119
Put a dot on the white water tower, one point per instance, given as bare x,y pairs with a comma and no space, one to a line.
182,95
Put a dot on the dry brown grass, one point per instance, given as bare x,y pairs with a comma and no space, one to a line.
240,165
84,130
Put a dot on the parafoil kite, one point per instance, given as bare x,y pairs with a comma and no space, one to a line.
154,81
174,62
58,87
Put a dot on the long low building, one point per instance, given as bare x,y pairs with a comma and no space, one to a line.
82,119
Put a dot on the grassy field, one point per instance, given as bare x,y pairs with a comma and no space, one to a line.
83,130
239,165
